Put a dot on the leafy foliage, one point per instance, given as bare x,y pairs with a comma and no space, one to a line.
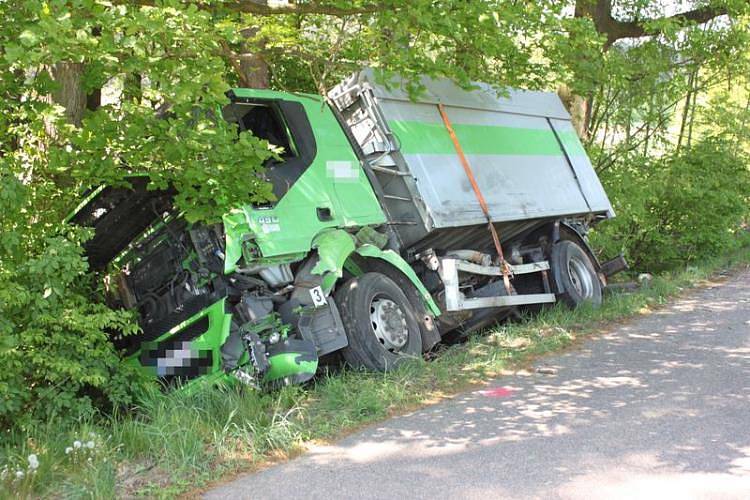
678,209
56,357
167,129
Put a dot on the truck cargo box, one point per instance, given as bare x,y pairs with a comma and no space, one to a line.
527,159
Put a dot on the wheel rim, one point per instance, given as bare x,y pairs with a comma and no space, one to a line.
389,323
580,277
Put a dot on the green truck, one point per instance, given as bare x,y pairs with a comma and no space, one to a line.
398,221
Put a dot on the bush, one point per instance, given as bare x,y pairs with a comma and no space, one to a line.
55,354
677,209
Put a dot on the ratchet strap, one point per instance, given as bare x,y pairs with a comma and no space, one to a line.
480,198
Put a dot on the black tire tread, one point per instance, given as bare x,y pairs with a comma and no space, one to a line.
363,350
561,252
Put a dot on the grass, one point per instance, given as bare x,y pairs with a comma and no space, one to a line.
182,441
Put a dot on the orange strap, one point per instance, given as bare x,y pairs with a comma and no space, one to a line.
478,194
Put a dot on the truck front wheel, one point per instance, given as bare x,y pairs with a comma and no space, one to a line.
575,275
380,324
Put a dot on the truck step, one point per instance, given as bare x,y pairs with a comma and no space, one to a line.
399,198
401,223
389,171
501,301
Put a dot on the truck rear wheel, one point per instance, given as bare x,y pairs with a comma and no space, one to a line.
575,275
379,321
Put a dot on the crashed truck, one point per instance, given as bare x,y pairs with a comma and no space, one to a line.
397,222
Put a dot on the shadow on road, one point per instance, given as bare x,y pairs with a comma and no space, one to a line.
660,407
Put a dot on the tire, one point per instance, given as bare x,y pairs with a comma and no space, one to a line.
575,275
380,323
427,327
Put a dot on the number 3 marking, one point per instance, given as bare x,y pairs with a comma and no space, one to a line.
317,296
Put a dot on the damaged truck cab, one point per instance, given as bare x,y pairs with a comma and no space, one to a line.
378,243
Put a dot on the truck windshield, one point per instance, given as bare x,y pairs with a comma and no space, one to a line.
283,123
266,122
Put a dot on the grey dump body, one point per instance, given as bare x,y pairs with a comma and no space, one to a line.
521,145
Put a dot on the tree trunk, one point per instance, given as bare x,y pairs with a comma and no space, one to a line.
692,109
686,110
579,109
69,92
606,133
254,71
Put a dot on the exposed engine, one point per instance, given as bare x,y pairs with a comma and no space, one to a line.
172,273
170,267
175,270
169,274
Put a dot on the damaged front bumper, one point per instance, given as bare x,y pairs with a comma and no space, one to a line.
200,347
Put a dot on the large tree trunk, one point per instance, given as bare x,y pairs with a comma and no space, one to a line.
253,70
69,92
579,109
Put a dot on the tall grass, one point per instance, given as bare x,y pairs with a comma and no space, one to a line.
184,439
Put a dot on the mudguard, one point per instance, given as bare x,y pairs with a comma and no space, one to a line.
334,248
399,263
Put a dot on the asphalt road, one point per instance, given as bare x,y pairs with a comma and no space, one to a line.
657,408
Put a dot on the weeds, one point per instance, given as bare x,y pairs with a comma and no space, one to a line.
178,441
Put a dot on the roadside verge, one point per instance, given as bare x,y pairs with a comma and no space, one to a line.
179,442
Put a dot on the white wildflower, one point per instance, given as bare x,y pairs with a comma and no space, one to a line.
19,474
77,444
33,462
90,445
68,450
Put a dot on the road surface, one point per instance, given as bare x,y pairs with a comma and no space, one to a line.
657,408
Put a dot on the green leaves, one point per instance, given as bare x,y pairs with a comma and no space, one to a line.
163,80
496,41
52,336
678,209
28,38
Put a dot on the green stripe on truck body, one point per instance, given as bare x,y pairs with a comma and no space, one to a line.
418,137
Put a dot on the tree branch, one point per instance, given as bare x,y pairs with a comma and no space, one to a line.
600,12
635,29
276,7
